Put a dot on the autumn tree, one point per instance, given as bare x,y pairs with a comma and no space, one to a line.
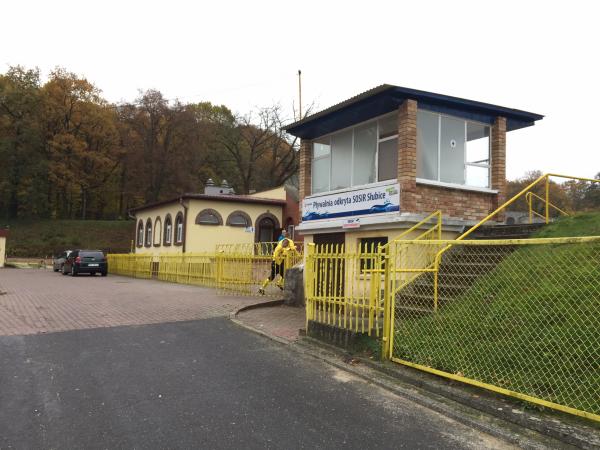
23,180
81,141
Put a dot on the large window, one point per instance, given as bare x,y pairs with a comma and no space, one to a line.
360,155
453,150
168,230
179,229
148,232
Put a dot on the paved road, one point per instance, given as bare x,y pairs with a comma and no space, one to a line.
205,383
41,301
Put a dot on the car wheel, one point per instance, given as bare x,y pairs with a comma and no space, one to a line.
92,274
104,274
54,269
73,271
62,269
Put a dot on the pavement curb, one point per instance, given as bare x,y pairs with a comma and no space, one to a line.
233,314
568,430
509,424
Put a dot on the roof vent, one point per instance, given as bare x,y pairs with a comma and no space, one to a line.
211,189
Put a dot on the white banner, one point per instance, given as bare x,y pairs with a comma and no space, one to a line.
373,200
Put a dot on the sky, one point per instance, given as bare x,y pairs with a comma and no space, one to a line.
538,56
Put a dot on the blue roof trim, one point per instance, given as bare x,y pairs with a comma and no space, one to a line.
385,99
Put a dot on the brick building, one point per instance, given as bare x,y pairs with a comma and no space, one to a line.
376,164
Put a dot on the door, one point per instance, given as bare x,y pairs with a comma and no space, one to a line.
330,271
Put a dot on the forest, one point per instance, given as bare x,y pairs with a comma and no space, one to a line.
68,153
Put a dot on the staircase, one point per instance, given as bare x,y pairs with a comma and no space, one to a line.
460,267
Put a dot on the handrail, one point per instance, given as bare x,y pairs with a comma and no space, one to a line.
545,178
437,214
528,198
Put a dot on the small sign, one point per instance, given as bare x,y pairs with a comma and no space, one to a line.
249,229
351,223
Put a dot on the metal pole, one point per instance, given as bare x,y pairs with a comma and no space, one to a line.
299,95
547,199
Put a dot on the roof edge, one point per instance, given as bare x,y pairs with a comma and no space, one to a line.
226,198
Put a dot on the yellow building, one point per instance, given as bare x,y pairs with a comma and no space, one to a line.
194,223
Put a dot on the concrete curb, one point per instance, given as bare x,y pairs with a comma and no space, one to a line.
492,425
567,429
528,430
233,314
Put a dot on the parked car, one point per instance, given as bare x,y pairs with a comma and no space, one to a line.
85,261
59,261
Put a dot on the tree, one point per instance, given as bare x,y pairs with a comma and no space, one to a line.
255,144
81,140
23,180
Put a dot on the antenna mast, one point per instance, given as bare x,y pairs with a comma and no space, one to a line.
299,95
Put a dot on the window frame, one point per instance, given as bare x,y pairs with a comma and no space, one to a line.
364,270
487,166
148,233
168,230
212,212
179,230
140,234
248,220
328,136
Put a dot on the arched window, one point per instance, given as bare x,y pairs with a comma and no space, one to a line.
209,217
168,238
266,228
148,232
157,231
179,229
140,234
239,219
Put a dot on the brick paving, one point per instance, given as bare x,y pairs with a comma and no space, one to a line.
281,321
41,301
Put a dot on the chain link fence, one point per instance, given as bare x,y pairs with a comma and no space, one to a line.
521,317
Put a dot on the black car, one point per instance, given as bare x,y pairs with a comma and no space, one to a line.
59,261
85,261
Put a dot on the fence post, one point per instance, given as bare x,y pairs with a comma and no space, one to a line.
547,199
387,316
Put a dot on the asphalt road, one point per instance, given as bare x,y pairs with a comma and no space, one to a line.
201,384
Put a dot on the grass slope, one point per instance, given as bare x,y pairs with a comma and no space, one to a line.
42,238
531,325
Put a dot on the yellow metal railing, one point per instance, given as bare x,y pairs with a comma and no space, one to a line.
348,289
344,289
545,179
231,268
518,317
532,212
527,192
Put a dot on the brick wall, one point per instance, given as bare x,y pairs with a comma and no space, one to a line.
304,169
499,160
407,154
453,203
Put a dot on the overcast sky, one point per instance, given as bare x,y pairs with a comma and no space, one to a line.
539,56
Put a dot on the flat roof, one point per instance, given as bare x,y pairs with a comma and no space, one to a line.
387,98
223,198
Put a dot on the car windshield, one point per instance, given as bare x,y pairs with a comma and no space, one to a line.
95,255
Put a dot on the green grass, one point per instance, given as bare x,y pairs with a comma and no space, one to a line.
532,325
585,224
44,238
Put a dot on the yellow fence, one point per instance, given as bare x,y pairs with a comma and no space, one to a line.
519,317
232,269
345,289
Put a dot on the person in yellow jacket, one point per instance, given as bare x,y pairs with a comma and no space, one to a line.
283,249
